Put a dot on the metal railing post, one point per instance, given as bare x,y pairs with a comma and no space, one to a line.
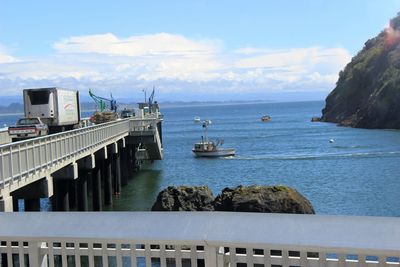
212,257
36,259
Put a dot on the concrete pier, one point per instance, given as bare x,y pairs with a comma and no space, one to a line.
72,168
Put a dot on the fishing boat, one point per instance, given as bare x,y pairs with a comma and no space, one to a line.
265,118
208,148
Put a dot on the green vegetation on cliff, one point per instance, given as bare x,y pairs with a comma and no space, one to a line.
367,94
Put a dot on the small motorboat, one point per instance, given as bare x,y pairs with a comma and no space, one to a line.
196,119
265,118
207,148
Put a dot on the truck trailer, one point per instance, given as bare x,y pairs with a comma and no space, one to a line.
58,108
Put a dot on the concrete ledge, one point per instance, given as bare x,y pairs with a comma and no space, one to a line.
347,233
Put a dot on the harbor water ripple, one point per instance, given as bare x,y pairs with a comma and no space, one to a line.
358,174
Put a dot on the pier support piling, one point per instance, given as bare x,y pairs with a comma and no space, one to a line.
32,204
117,160
131,158
62,195
83,204
73,194
124,167
96,190
85,173
108,187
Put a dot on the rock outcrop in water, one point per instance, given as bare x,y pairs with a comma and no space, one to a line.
267,199
184,198
367,94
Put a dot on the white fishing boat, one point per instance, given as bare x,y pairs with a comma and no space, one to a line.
207,148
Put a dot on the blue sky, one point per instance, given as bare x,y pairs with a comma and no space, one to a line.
208,50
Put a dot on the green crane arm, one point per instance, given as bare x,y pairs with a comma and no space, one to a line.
101,102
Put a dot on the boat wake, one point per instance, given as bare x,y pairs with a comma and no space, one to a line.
318,157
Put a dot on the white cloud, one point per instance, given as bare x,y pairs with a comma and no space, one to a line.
302,59
4,57
149,57
153,45
177,63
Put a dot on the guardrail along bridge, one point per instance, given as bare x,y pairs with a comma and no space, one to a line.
183,239
61,166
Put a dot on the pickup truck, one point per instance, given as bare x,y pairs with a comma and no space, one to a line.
27,128
127,113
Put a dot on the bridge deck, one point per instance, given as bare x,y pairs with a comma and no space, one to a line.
26,161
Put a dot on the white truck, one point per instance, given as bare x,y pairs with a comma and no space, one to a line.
58,108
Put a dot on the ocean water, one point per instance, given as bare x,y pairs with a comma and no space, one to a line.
358,174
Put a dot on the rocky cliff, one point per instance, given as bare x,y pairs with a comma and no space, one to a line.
367,94
267,199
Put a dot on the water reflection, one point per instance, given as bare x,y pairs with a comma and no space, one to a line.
140,193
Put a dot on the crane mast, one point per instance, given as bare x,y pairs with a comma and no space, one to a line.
101,102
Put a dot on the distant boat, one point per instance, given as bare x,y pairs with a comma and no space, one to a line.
207,148
196,119
265,118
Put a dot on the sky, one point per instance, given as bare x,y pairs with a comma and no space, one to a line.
188,50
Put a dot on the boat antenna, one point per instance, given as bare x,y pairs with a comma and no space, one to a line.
205,125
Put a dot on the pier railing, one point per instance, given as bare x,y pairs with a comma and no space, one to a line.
197,239
4,137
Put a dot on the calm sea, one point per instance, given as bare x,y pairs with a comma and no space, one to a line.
358,174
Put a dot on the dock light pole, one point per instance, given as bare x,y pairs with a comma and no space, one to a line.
145,97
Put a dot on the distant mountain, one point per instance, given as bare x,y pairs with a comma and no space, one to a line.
367,94
207,103
12,108
7,100
19,108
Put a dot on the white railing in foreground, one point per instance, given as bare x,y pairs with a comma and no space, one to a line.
123,239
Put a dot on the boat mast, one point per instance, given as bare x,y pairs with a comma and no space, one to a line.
205,125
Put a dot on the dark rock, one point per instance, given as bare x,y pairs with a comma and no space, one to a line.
367,94
269,199
315,119
184,198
